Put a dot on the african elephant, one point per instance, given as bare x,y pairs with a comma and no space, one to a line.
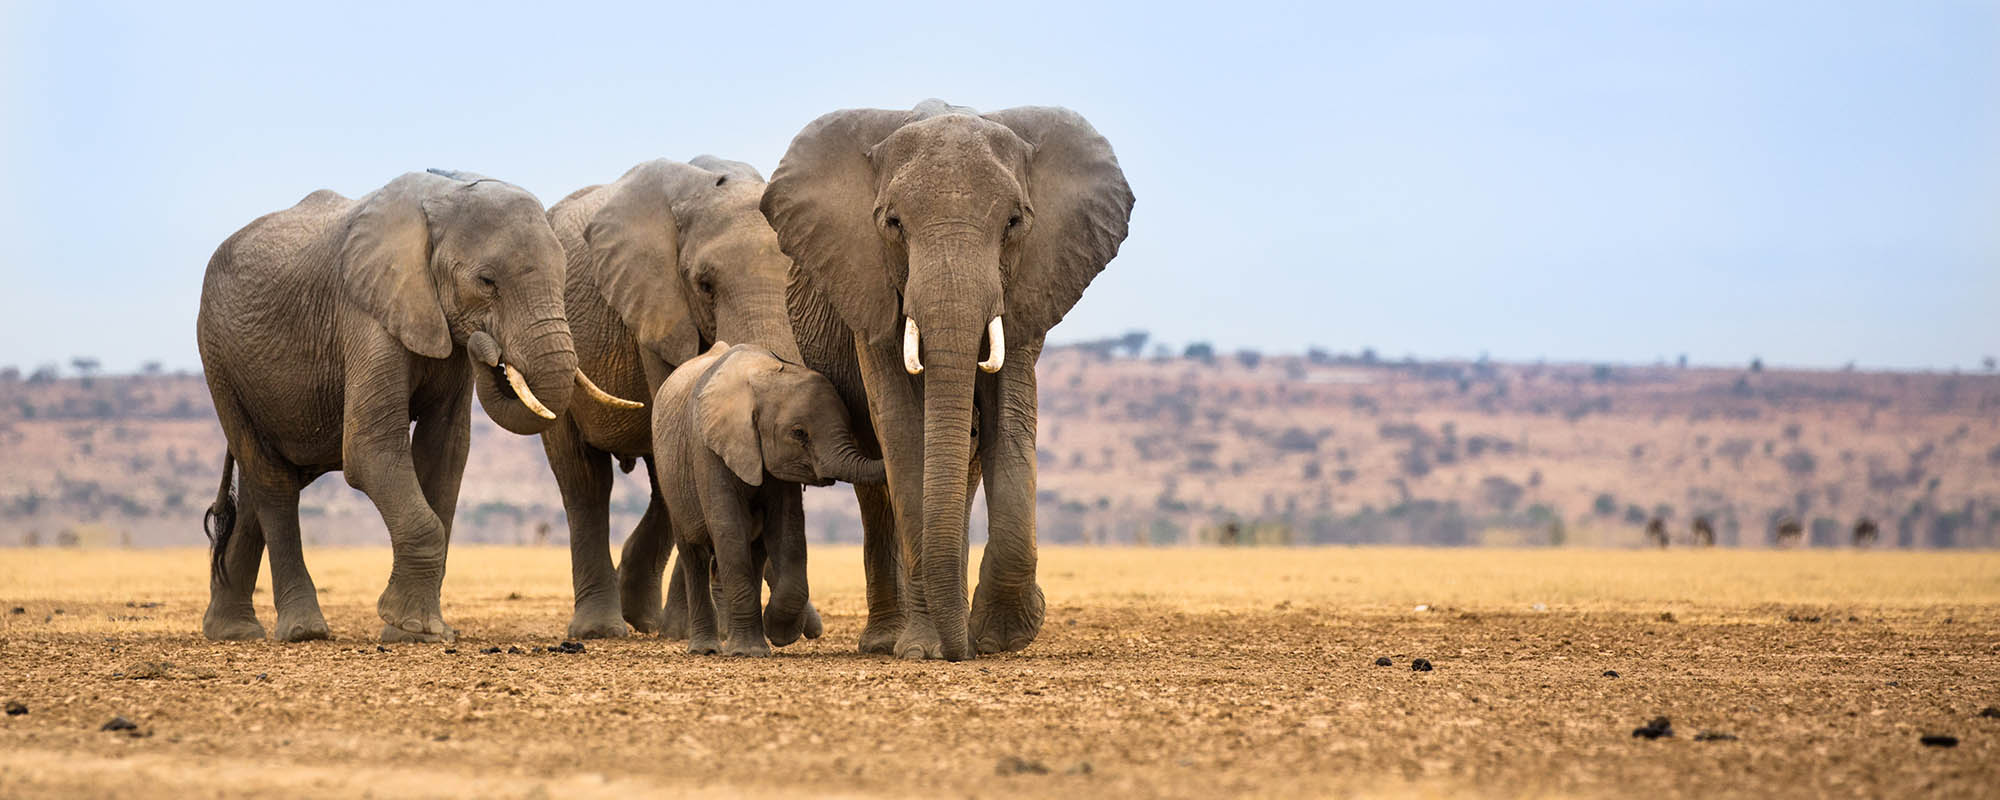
328,328
662,261
739,431
933,249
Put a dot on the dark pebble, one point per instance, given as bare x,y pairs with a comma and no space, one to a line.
381,649
1939,740
15,708
1990,712
1015,765
1611,673
119,724
514,651
450,651
1080,768
262,676
1384,662
18,610
1653,730
538,648
441,737
490,651
1420,665
1714,736
569,647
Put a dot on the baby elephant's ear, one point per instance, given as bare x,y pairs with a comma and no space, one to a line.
725,411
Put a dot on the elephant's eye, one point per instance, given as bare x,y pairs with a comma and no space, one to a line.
799,435
705,286
486,282
894,222
1013,222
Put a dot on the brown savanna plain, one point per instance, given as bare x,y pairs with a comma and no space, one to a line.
1178,672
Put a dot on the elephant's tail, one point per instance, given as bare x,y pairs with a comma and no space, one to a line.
220,521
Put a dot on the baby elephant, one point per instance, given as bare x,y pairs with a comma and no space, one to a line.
737,431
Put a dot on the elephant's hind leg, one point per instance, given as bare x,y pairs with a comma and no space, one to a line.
274,493
643,561
232,615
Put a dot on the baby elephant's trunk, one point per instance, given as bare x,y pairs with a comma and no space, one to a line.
785,544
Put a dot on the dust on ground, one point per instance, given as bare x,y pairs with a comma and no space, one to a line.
1178,672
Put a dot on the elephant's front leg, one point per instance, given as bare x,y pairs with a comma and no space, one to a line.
377,460
898,421
1007,607
641,565
583,476
740,571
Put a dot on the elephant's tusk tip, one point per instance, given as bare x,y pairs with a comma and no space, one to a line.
590,388
526,395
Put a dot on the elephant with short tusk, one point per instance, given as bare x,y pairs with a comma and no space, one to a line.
664,261
934,249
738,431
326,329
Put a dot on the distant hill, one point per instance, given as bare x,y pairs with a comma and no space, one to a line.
1236,448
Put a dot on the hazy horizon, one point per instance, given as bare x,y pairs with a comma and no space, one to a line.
1807,185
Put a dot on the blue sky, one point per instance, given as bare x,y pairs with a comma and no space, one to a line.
1812,183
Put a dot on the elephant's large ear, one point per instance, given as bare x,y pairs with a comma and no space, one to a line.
385,264
725,410
634,252
821,201
1082,207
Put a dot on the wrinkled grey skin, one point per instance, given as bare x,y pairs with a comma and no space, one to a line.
946,218
662,261
738,431
328,328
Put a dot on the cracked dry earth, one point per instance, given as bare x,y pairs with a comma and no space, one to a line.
1183,672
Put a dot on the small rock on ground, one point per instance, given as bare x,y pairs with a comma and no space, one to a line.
1420,665
1990,712
1384,662
1611,673
1714,736
119,724
1659,727
1939,740
16,708
1015,765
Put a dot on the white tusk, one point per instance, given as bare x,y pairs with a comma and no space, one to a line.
912,363
602,396
527,395
997,354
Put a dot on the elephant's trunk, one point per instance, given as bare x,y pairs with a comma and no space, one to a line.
837,457
756,315
536,377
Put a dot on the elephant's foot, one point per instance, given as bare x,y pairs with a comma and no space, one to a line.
596,620
919,639
747,646
302,626
639,598
412,617
1006,621
395,635
237,624
814,628
704,645
673,625
879,638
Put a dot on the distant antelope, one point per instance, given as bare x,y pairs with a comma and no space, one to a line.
1656,532
1865,532
1789,531
1704,533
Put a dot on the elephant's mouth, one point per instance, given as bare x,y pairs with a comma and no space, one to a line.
500,383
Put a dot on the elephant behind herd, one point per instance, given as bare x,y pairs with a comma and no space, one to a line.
916,259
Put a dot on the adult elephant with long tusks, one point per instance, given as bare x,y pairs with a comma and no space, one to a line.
933,249
663,262
328,328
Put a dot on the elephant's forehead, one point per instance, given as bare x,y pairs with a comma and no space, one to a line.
953,136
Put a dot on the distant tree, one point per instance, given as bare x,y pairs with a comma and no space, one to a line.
1249,358
1500,493
1601,373
1656,532
1756,365
1788,531
1200,351
1990,363
1605,505
46,373
10,374
150,368
1799,462
1684,361
1368,355
1866,531
1704,532
1634,514
1318,356
1133,343
85,365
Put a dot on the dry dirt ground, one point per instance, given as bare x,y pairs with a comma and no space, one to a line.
1181,672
